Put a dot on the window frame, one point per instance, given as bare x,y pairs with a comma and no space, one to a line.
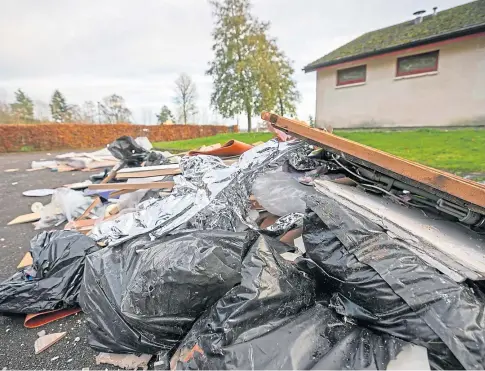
352,82
418,71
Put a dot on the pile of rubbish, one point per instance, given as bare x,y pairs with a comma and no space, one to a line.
273,256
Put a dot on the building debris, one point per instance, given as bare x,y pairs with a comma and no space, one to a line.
309,251
126,361
26,218
46,341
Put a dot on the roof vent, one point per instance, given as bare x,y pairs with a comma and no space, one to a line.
419,16
434,11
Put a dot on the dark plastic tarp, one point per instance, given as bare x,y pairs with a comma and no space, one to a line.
144,296
54,279
384,286
125,148
270,321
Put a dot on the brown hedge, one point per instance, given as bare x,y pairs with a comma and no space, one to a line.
44,137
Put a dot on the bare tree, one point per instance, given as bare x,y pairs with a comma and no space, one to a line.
185,97
113,110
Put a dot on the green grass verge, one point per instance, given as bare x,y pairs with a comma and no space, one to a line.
187,145
456,150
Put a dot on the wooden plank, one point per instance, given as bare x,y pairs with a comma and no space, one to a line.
121,192
151,185
113,172
453,185
148,168
90,208
26,218
146,174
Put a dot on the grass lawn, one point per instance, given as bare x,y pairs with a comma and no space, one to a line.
187,145
457,150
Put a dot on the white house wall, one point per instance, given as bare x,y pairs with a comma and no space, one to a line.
452,96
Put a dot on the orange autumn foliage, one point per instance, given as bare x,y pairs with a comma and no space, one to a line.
52,136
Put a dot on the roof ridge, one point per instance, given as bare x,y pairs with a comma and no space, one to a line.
448,22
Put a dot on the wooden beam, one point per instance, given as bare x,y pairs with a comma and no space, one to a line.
463,189
147,174
151,185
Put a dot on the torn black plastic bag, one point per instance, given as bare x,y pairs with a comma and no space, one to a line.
386,287
126,149
143,296
54,279
271,321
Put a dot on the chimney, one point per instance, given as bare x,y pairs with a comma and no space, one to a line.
434,11
419,16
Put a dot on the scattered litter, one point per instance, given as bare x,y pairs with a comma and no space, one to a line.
15,183
7,330
11,170
54,358
36,207
79,185
38,192
43,164
126,361
66,204
277,255
44,342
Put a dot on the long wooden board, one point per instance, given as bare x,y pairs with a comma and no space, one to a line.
148,168
146,174
463,189
151,185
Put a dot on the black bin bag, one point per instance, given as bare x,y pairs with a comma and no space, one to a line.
54,279
385,287
143,297
271,321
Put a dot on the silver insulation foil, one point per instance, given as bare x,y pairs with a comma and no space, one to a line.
208,195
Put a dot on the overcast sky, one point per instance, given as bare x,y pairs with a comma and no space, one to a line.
92,48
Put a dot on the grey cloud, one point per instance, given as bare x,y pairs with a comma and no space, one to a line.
91,48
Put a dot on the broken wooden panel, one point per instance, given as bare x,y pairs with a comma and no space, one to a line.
448,246
47,341
447,186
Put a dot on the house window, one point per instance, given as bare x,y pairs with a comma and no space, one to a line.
420,63
352,75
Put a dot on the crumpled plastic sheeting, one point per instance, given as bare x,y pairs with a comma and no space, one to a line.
301,161
209,195
284,224
54,279
379,282
143,297
270,321
66,204
280,194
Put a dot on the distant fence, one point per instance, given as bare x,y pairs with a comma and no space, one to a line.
44,137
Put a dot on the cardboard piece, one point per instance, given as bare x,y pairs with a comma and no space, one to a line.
26,218
46,341
26,261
